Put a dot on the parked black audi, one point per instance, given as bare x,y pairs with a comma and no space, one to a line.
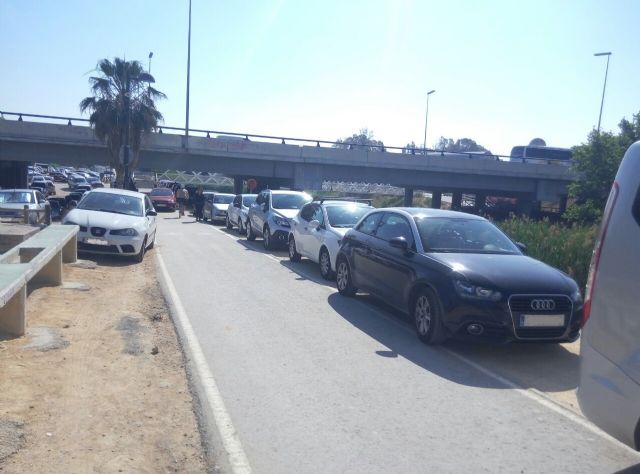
457,275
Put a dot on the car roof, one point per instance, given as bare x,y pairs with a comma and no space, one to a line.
344,203
429,212
22,190
285,191
223,194
123,192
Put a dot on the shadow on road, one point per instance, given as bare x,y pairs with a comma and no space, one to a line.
546,367
112,260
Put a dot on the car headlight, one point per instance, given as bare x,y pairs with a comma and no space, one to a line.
576,296
475,292
282,221
126,232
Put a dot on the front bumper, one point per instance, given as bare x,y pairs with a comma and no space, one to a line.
280,235
164,205
108,244
503,321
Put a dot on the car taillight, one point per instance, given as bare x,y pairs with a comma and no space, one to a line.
595,257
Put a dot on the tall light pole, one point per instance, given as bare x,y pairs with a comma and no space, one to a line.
186,127
426,117
604,88
149,71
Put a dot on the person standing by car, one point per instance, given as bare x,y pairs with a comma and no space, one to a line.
182,196
198,202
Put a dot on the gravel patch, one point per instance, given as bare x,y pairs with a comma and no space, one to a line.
11,437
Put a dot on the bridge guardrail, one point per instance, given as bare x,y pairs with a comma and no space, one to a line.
293,140
37,260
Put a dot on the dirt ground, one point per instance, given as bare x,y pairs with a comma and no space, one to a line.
99,383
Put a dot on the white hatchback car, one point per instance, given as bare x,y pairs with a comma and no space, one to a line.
115,222
317,230
609,391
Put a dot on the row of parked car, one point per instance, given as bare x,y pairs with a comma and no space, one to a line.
457,275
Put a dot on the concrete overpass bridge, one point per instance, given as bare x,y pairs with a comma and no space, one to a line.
296,163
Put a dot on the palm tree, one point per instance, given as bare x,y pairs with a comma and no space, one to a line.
122,86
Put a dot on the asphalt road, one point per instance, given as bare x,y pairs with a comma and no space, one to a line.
315,382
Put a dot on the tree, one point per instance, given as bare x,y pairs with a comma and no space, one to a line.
360,141
597,163
122,86
462,145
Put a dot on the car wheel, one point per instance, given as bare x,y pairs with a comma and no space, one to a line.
153,242
268,241
325,264
294,256
427,316
250,233
344,282
229,226
140,255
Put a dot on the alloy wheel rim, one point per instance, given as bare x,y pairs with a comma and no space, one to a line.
342,276
324,263
423,315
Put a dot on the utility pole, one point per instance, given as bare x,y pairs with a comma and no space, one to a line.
186,127
604,88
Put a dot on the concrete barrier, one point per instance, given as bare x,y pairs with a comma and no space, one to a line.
37,260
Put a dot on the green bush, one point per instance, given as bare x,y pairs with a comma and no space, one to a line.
567,248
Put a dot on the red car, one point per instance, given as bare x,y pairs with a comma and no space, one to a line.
163,199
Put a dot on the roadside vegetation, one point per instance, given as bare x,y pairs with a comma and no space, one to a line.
567,248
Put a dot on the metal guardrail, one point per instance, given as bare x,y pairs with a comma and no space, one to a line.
293,140
26,215
39,260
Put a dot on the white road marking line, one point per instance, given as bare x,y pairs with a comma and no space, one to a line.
235,453
530,393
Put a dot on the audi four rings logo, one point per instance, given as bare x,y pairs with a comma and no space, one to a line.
543,305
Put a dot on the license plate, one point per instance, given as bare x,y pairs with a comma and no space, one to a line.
541,320
96,242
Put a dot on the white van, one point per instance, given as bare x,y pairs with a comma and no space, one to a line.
541,155
609,391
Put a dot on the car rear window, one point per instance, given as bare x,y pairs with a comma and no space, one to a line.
9,197
635,210
161,192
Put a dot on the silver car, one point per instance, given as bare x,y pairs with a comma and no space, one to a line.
270,216
12,202
609,391
238,211
215,206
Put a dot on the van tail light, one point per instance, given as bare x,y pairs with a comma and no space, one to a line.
595,257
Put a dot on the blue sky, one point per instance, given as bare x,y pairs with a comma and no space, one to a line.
504,71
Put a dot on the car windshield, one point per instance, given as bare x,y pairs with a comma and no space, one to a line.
248,200
222,199
289,201
347,215
10,197
111,202
161,192
459,235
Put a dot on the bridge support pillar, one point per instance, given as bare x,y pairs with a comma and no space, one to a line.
13,174
238,185
563,203
408,197
525,206
456,201
481,199
436,200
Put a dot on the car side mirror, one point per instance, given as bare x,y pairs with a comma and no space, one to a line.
400,243
314,224
523,247
151,213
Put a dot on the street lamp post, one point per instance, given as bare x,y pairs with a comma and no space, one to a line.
186,127
604,88
426,118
